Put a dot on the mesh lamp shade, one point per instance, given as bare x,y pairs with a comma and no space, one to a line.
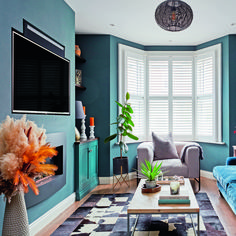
174,15
79,112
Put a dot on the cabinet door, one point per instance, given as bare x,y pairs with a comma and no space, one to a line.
83,165
93,160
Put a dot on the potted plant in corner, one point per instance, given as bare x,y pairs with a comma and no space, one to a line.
124,129
151,173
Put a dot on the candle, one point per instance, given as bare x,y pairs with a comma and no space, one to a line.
84,109
91,121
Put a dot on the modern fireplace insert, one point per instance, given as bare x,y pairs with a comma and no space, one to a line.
51,184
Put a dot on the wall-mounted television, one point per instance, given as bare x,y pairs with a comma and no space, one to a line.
40,78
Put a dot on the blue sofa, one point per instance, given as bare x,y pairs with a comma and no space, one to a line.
226,181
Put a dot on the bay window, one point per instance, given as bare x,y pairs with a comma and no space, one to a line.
178,92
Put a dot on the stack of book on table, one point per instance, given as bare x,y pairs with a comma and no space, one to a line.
166,198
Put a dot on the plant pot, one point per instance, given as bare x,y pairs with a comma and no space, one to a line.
120,165
151,183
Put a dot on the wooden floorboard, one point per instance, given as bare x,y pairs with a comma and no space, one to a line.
226,215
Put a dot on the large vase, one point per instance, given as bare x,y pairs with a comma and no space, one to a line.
15,221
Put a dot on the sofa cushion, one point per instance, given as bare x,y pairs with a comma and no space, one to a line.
231,193
173,167
164,148
225,175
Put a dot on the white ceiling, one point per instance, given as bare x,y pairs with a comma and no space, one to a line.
134,20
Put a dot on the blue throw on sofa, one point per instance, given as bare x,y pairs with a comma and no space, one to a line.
226,181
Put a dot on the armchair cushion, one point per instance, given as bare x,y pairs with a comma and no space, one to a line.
164,148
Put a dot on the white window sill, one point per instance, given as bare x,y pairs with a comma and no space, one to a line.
197,141
210,142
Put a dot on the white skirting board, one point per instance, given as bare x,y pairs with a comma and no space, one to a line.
206,174
109,179
51,215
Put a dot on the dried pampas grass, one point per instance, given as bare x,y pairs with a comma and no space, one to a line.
23,154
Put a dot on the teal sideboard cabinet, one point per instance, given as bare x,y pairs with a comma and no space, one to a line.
86,167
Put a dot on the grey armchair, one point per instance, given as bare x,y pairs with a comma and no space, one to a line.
187,165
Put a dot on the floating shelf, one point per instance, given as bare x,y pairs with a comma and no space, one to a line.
80,59
80,87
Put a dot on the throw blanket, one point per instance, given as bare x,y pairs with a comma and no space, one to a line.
185,148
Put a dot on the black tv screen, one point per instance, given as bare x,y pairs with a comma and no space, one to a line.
40,79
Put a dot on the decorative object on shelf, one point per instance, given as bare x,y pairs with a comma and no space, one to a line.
83,136
91,121
174,15
91,136
91,126
124,128
80,114
78,77
23,154
77,135
77,50
174,187
151,173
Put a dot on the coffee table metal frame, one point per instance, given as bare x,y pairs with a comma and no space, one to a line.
172,209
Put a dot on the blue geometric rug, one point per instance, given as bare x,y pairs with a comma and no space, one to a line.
106,214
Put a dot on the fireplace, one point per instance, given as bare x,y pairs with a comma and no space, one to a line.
51,184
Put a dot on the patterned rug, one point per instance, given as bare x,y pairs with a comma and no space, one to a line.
105,214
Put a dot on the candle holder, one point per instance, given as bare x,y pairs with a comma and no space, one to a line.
91,136
174,187
83,136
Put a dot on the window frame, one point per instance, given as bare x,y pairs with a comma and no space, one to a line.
194,55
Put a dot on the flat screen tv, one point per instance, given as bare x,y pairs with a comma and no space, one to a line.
40,79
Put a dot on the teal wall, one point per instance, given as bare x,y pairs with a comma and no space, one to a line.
96,78
215,154
232,93
100,77
56,19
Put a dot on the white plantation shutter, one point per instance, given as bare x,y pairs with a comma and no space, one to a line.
135,75
158,90
205,97
158,116
182,93
178,92
205,117
182,77
138,117
170,95
134,84
158,70
182,118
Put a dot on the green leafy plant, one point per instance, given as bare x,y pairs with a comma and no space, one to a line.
124,125
150,172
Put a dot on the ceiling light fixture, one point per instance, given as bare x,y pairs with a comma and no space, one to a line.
174,15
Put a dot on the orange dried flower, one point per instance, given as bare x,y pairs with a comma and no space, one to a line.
23,154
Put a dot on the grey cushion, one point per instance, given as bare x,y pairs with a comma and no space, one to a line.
164,148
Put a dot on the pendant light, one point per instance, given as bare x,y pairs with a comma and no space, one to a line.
174,15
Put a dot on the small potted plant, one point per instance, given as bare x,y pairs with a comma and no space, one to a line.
124,129
151,173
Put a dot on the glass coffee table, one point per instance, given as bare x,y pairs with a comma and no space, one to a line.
147,203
